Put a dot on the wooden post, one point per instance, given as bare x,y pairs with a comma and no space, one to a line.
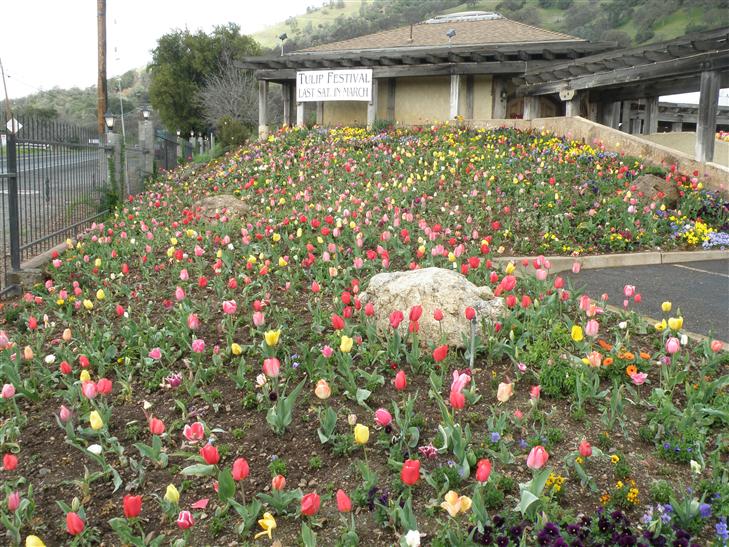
676,127
300,122
625,116
498,108
286,96
592,111
391,91
531,108
372,105
469,97
320,113
611,114
572,107
651,116
708,107
455,95
263,109
101,81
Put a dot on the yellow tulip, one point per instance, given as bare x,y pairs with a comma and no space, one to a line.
282,262
675,323
455,504
661,326
510,268
235,349
268,523
28,353
172,495
577,335
100,294
361,434
666,306
97,262
88,304
84,376
95,420
346,344
272,336
34,541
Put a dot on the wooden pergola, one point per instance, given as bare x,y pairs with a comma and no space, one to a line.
608,83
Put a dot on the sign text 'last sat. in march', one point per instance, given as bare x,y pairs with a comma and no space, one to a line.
334,85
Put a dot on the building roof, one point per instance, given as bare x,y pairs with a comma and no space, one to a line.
471,28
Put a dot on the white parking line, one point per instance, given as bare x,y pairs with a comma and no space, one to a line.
699,270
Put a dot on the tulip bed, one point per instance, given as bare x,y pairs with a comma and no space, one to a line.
185,380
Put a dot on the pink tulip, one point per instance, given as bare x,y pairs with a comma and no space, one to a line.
8,391
229,307
64,414
673,345
271,367
584,302
400,381
629,291
13,501
537,457
198,345
88,389
591,328
639,378
383,417
179,293
184,276
541,274
716,346
327,351
193,321
4,340
194,432
535,391
585,449
259,318
155,353
576,267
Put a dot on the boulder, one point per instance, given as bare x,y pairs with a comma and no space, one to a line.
222,207
431,288
654,187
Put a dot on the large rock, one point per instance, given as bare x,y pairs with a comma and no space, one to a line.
654,187
432,288
222,207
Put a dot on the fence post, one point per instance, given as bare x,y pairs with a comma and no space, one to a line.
146,139
13,205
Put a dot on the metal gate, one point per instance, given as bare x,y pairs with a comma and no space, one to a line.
52,184
168,150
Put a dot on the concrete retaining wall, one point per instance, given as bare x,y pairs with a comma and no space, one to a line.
685,141
713,175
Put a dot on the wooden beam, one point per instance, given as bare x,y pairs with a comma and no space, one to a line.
320,113
531,108
446,69
671,86
651,116
572,107
708,106
548,54
625,114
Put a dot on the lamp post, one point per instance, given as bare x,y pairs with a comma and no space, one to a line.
282,37
146,139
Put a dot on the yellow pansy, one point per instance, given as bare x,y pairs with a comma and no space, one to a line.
272,336
346,344
361,434
268,523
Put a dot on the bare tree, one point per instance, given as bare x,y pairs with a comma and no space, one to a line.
230,92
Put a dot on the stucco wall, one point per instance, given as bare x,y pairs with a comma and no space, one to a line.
422,100
686,141
714,175
482,98
345,113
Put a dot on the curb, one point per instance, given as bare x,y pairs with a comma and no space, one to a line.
564,263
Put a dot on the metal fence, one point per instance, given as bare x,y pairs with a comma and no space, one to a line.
52,183
168,150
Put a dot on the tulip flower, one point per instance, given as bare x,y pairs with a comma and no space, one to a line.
236,349
13,501
268,523
410,472
74,524
322,390
382,417
675,323
259,318
198,345
638,378
412,538
396,317
229,307
64,414
344,504
156,426
537,458
534,392
716,346
271,367
455,504
34,541
185,520
10,462
440,353
194,432
416,312
172,495
629,290
438,315
470,313
400,380
346,344
592,328
278,482
210,454
585,449
240,469
272,337
310,504
666,306
95,420
8,391
483,470
577,335
361,434
504,392
337,322
673,345
132,506
193,323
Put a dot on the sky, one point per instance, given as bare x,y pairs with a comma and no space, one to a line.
52,43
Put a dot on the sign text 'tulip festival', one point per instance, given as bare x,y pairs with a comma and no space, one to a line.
334,85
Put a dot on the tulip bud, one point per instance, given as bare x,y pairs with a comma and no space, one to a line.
64,414
344,504
241,469
400,380
13,501
361,434
185,520
172,495
322,390
483,470
74,524
383,417
210,454
66,335
585,449
156,426
278,482
132,506
8,391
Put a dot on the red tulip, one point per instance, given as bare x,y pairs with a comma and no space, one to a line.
74,524
310,504
483,470
457,400
396,318
585,449
410,472
337,322
156,426
383,417
400,381
194,432
10,462
278,482
344,504
132,506
65,368
537,457
185,520
210,454
438,315
240,469
470,313
416,312
104,386
13,501
440,353
369,309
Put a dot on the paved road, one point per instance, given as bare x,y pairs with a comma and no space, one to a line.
699,289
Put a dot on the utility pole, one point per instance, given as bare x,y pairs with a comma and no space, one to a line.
101,84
